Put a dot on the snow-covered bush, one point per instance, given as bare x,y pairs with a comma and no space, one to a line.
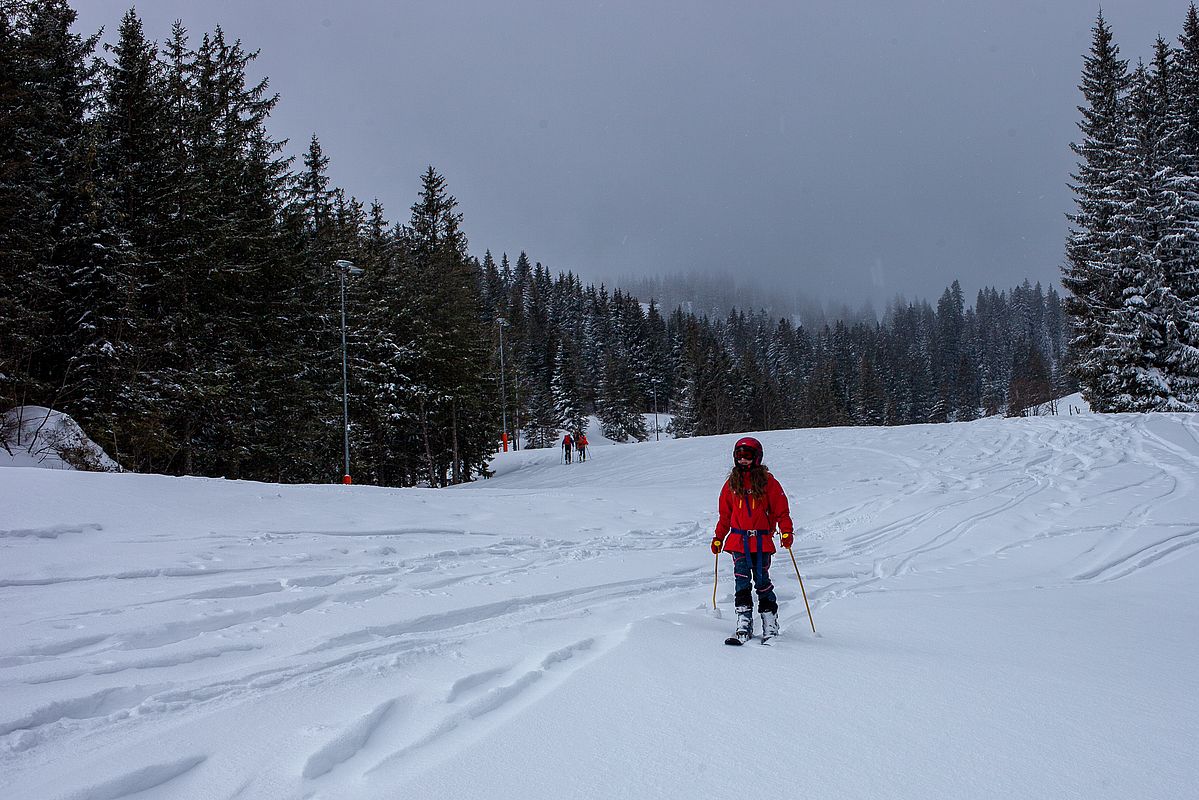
33,436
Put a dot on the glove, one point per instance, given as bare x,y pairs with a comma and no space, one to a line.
717,544
788,539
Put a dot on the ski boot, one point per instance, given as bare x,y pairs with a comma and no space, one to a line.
770,625
745,626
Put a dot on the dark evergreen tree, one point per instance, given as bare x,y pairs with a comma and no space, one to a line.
826,401
660,366
870,404
1096,238
448,345
950,324
1030,385
1132,346
132,162
568,404
1181,251
47,227
542,424
494,298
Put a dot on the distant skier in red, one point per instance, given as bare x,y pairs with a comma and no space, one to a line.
567,443
581,445
752,505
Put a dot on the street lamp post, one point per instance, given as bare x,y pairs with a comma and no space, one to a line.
345,268
501,322
655,388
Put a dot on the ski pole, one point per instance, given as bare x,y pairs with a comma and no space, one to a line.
715,580
802,590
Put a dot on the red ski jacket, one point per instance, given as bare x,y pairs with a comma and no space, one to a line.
748,513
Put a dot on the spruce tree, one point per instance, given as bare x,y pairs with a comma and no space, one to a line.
684,421
568,405
950,321
542,424
452,384
1096,238
1180,252
132,152
1132,345
870,402
1030,384
49,224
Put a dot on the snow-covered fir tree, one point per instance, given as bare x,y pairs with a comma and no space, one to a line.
1131,255
568,404
1095,239
1180,256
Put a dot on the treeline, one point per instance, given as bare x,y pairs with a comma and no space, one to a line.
569,349
1133,251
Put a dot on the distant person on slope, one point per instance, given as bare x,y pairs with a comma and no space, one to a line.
752,505
566,445
581,445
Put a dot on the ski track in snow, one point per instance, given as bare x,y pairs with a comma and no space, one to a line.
494,700
348,744
140,780
206,625
49,532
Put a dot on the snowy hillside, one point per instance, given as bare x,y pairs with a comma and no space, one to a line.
1006,609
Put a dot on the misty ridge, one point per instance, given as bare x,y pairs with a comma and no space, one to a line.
716,294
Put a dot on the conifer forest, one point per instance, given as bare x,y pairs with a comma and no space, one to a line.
1133,252
174,281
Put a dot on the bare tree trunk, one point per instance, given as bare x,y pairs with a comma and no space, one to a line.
424,425
456,475
187,449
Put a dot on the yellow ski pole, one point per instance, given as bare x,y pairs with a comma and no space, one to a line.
715,580
802,590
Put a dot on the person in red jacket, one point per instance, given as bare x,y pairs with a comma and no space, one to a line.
752,505
567,443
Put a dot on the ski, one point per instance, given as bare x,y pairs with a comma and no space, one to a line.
737,641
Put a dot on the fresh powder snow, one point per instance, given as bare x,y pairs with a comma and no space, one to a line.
1004,609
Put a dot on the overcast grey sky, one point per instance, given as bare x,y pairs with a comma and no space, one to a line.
853,150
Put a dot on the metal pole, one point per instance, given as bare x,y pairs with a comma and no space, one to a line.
345,383
503,393
655,386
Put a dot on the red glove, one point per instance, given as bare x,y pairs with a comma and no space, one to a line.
788,539
717,544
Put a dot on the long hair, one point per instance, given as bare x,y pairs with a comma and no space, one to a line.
757,480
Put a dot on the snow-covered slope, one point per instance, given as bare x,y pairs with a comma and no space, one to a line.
1006,608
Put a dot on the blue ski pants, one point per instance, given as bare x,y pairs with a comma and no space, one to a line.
755,566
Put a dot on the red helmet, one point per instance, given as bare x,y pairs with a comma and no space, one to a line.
753,444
